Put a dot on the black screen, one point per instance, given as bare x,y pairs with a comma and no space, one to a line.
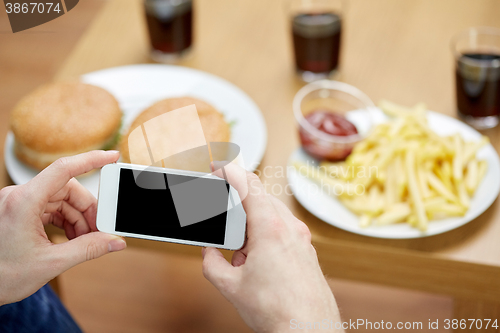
151,209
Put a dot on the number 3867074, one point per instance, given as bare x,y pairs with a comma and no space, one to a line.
32,7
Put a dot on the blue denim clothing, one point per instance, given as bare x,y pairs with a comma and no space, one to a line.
41,312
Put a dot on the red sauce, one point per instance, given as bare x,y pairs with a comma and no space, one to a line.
332,124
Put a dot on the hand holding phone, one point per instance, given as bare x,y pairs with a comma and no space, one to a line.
28,259
275,278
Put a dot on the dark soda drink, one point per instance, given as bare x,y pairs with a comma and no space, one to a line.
478,87
316,40
170,25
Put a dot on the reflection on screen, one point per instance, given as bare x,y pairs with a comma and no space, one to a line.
173,206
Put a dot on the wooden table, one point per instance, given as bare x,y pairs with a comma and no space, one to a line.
392,49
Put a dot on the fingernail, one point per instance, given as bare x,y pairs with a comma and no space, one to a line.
112,152
116,244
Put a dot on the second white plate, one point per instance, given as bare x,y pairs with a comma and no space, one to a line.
330,210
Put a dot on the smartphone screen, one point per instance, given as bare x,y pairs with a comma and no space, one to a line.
175,206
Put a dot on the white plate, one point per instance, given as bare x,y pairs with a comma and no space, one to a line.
137,87
330,210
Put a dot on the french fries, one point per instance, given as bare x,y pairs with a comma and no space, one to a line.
406,172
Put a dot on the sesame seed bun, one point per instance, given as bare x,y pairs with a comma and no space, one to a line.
212,121
63,119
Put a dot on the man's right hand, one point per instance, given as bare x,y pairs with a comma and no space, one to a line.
275,278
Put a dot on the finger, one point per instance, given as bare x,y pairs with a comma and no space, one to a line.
257,205
234,175
295,225
216,269
239,258
86,247
4,192
53,178
55,219
283,211
81,199
59,221
71,215
69,230
281,208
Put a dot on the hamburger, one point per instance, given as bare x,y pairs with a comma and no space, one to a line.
64,119
214,126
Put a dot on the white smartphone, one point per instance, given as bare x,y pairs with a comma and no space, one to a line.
170,205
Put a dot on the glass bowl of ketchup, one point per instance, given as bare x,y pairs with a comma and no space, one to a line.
332,117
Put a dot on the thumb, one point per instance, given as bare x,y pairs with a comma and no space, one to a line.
87,247
217,269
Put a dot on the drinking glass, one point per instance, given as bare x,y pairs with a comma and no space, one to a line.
170,26
477,76
316,29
